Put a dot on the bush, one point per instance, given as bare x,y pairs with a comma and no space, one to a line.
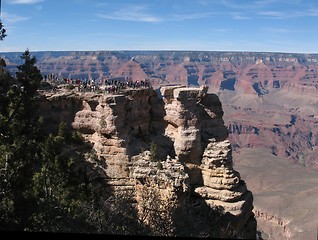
159,166
153,152
70,87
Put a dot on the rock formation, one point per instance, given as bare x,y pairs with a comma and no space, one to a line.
186,126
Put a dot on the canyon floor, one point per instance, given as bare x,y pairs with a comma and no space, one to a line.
285,190
285,194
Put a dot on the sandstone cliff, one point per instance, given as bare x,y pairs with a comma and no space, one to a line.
186,126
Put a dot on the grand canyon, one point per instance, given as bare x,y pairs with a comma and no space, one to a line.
269,102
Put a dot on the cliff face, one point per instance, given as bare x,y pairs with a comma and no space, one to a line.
186,126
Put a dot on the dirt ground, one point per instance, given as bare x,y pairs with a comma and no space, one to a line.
285,194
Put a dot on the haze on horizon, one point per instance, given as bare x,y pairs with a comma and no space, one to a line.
197,25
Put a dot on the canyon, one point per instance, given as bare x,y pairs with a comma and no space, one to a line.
269,105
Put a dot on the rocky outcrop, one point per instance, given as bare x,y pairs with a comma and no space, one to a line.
186,126
192,117
223,186
168,174
195,125
221,183
269,222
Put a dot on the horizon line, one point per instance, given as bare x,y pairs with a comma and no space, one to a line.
166,50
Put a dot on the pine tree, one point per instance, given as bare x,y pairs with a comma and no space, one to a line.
2,31
43,185
154,152
19,152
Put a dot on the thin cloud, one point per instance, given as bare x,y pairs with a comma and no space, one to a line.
289,14
240,16
239,5
12,18
132,13
258,4
313,12
269,3
203,2
288,30
273,14
25,1
140,14
263,3
277,30
190,16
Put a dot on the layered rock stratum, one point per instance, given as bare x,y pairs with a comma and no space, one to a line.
185,124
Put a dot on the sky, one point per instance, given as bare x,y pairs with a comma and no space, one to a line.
289,26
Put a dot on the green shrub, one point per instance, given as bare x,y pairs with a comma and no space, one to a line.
70,87
159,166
153,152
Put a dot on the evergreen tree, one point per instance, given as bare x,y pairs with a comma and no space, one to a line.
2,31
60,186
19,152
29,79
154,152
42,186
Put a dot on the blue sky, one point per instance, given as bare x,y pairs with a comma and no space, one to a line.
208,25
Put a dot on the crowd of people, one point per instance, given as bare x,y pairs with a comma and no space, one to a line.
107,85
